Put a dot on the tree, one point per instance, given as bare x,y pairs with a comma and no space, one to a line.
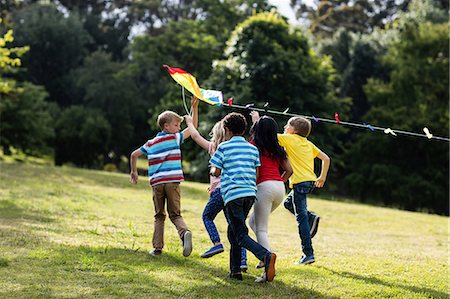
107,88
403,171
25,121
57,46
324,17
82,137
356,59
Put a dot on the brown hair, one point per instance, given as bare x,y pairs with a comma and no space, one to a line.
301,125
168,117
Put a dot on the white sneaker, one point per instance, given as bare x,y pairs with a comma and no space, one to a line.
187,243
262,278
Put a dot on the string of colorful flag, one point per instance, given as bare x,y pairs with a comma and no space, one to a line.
215,97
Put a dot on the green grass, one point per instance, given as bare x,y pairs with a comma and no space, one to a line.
73,233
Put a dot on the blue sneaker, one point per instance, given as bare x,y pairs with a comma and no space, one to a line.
305,260
212,251
244,266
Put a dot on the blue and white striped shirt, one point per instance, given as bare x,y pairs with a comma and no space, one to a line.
238,160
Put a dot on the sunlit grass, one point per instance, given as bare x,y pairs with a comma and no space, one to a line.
74,233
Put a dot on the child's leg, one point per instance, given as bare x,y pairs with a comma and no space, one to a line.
261,212
174,207
301,215
288,202
212,208
237,211
159,199
235,251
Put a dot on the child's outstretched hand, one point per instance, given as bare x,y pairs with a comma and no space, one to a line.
188,119
134,177
255,116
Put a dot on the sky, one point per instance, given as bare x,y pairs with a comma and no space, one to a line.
285,9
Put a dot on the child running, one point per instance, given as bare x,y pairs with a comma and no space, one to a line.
215,202
237,162
165,174
270,183
302,152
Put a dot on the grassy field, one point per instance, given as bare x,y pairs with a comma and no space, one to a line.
73,233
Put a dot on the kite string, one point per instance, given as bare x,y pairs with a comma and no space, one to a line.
334,121
184,102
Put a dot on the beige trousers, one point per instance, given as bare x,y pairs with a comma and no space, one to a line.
167,193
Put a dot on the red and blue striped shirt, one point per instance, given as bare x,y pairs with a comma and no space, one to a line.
164,158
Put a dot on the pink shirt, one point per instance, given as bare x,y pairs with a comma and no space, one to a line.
214,181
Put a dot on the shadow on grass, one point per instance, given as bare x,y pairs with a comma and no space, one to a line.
82,271
13,213
429,293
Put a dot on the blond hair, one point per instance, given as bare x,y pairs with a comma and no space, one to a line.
217,134
301,125
168,117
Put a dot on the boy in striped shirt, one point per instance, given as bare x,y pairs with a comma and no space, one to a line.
237,162
165,174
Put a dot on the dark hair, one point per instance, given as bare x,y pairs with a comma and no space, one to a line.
235,122
264,135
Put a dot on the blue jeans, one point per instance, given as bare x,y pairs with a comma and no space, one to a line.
289,205
212,208
300,210
236,212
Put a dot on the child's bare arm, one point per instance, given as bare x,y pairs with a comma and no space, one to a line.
288,171
194,105
133,159
195,135
325,166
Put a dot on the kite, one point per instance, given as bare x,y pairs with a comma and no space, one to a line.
187,81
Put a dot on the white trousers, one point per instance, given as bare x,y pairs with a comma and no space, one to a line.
269,195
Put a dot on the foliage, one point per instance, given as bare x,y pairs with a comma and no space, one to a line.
107,88
405,171
356,59
82,137
26,122
363,16
57,46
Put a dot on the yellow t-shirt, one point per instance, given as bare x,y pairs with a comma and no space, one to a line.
301,153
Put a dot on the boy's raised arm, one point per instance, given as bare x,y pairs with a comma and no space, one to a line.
325,166
133,159
194,105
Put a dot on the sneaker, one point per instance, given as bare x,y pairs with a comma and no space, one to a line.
260,265
155,252
313,224
269,266
305,260
244,266
187,243
212,251
262,278
237,276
